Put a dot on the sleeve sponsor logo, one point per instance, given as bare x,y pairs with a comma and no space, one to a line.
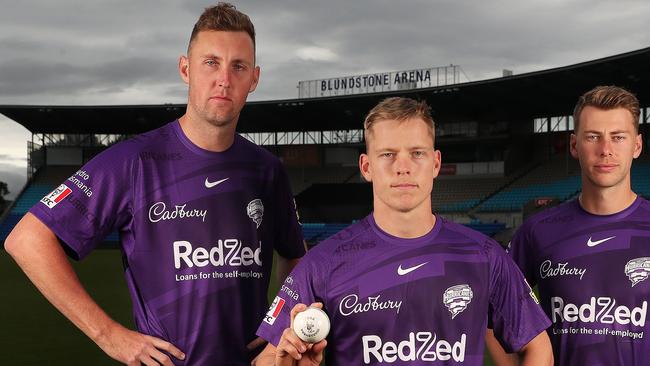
457,298
274,310
79,179
420,346
638,270
255,211
81,207
56,196
292,293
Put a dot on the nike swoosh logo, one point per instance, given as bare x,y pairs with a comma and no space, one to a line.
594,243
402,271
209,184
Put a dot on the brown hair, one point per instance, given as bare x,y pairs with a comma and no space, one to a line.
223,17
608,97
399,109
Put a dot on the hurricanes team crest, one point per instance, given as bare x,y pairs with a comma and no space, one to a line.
456,298
638,270
255,210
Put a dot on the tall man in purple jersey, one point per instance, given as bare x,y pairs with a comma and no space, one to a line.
590,257
404,286
199,210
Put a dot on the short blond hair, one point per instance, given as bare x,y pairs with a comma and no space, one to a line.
608,97
399,109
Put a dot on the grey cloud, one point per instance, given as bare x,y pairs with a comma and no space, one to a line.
33,76
9,157
74,50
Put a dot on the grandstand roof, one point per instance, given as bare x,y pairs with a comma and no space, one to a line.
546,93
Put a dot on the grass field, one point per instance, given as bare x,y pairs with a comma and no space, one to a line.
34,333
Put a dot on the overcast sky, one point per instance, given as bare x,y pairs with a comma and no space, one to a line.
69,52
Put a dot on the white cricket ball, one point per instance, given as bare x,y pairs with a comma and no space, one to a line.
311,325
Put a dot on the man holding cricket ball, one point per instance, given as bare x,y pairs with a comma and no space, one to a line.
403,285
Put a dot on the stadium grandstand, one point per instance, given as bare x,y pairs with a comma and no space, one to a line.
504,145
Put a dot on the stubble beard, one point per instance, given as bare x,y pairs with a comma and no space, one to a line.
215,118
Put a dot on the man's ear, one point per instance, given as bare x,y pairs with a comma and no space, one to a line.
364,167
437,163
573,141
638,145
256,79
184,68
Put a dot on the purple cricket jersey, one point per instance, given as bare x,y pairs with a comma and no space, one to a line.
197,230
423,301
592,272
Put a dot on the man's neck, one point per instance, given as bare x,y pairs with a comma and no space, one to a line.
207,136
606,201
407,225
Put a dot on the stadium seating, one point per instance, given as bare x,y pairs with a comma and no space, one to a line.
302,178
641,178
513,199
32,194
461,194
558,178
317,232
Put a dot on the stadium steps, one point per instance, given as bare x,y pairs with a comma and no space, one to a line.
555,179
459,194
512,180
641,179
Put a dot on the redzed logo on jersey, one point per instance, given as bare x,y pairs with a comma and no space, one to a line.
274,310
56,196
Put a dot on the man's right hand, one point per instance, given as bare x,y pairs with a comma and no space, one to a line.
291,348
133,348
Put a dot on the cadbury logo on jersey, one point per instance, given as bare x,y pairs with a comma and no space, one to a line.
456,298
159,212
547,269
228,252
350,305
